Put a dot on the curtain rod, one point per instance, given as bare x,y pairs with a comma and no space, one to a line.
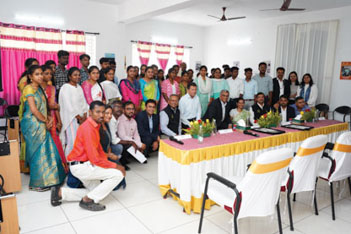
92,33
188,47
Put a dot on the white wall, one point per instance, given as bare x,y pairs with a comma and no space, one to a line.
187,35
263,35
77,14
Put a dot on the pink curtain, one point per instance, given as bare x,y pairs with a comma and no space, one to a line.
162,53
75,45
19,42
144,49
179,52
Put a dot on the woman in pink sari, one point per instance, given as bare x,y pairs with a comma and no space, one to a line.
130,89
54,108
169,87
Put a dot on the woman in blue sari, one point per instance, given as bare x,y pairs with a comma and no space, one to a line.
42,156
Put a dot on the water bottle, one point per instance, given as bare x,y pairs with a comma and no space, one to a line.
200,136
214,127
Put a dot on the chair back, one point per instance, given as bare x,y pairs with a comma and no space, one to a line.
3,102
305,164
260,188
342,155
322,107
11,111
344,110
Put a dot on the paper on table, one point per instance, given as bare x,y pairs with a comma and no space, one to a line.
241,123
138,155
182,137
224,131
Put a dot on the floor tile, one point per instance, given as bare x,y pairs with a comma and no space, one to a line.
74,212
27,196
40,215
162,215
299,211
132,177
138,193
342,210
25,179
192,228
323,224
59,229
147,171
121,222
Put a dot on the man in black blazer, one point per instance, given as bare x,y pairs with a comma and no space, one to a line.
149,127
286,111
219,110
280,86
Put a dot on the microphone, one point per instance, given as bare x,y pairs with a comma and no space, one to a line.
176,141
250,133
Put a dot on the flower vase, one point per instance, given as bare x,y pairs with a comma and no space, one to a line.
205,135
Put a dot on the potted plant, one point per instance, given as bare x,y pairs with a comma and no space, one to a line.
207,128
269,120
308,115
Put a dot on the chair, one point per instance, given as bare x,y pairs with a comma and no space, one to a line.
255,194
337,166
344,110
303,170
11,111
322,108
3,103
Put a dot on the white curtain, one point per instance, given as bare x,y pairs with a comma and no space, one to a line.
309,48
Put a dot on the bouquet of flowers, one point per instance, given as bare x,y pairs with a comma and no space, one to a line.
271,119
308,115
207,127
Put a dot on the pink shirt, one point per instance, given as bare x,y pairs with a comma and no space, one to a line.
129,95
127,130
167,88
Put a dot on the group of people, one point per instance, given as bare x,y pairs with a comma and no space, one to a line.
82,121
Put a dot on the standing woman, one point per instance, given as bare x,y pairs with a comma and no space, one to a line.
54,108
149,87
294,84
142,71
169,87
205,89
218,84
308,90
130,89
22,82
110,88
184,83
42,156
91,88
73,108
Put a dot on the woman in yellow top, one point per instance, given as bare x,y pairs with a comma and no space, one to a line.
184,83
149,87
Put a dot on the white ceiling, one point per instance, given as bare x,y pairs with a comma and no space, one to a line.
113,2
197,14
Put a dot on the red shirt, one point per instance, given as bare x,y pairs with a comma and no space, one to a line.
87,146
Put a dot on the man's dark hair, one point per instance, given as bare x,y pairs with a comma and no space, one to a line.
260,93
281,68
130,67
240,98
213,69
154,66
96,103
84,56
234,69
248,69
298,98
62,53
225,65
127,103
284,96
176,65
262,63
112,62
191,70
117,102
150,101
227,68
191,84
49,63
104,60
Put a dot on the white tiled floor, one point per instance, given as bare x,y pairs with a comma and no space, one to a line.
140,209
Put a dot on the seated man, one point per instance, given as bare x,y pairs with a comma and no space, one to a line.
89,164
300,105
219,110
127,130
259,108
148,127
170,117
287,112
189,106
117,111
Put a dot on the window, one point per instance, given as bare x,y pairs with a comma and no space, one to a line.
90,47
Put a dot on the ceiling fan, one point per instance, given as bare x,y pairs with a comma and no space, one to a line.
285,7
223,18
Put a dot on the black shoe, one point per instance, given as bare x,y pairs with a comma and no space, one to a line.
92,206
145,162
126,168
55,198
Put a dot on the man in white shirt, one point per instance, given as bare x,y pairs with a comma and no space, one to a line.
236,87
117,111
189,106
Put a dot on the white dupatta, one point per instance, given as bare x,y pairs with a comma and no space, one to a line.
205,87
72,103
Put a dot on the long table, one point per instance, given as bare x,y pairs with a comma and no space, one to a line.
182,169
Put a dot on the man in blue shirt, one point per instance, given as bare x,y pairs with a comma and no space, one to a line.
300,105
250,89
264,83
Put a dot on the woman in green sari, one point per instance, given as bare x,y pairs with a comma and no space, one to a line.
239,112
149,87
42,156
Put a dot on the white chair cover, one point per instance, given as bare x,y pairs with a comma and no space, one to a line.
305,164
341,154
260,188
